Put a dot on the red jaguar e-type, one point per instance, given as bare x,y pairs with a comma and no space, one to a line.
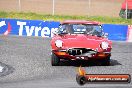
80,40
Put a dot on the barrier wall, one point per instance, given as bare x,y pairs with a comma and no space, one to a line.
45,28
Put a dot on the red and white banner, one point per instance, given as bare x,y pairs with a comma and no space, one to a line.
129,38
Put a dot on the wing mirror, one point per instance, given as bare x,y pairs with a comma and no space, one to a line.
105,35
55,32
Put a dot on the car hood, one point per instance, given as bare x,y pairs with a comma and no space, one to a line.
82,41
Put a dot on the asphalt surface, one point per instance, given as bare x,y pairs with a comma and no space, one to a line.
30,59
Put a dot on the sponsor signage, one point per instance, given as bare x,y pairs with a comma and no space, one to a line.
116,32
28,27
46,29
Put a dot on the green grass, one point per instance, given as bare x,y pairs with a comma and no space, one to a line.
46,17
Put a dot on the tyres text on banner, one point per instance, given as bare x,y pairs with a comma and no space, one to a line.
28,27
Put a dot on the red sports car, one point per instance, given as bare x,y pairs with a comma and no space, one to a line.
80,40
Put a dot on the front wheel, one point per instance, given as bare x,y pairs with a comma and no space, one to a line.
106,61
54,60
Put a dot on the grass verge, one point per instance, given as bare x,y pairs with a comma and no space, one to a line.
34,16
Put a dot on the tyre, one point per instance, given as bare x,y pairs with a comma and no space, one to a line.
106,61
81,80
54,60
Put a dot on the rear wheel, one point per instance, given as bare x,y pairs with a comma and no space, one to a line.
54,60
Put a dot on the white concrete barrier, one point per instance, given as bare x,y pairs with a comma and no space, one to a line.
129,33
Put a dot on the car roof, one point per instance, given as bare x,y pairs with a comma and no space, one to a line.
80,22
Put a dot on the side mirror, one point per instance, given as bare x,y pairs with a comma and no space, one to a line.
55,31
105,35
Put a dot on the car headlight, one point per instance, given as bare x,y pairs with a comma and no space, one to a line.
58,43
104,45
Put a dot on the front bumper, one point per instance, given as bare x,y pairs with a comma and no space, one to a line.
64,54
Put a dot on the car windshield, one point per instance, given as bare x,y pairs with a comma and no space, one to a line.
80,29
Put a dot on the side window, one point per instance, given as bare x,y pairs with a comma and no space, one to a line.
62,28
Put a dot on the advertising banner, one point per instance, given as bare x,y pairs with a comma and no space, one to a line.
116,32
28,27
46,28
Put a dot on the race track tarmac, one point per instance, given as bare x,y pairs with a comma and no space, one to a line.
30,59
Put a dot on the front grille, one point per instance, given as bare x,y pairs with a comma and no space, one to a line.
79,51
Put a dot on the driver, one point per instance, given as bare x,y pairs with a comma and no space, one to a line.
69,29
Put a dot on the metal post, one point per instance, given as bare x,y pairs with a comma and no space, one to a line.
53,8
89,3
126,9
19,3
